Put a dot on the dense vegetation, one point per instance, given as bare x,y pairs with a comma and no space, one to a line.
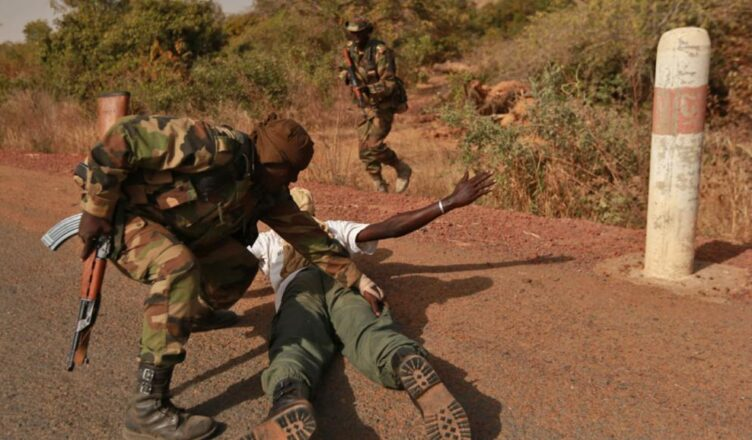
583,151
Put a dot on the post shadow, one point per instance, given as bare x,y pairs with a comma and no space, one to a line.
718,251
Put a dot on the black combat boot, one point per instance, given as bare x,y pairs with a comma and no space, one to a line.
213,320
151,414
291,416
443,416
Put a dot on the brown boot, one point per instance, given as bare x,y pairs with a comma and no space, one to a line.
403,176
213,320
151,414
443,416
291,416
379,183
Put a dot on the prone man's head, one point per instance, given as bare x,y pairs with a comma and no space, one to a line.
304,199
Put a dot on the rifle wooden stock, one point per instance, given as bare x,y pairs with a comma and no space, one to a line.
91,288
110,107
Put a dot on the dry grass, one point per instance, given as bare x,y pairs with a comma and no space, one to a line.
726,187
432,158
34,121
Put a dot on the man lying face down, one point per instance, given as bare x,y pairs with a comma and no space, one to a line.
317,316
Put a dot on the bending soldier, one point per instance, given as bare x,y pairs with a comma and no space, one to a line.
317,317
182,199
383,96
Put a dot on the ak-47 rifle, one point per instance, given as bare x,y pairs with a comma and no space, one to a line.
110,107
352,78
91,285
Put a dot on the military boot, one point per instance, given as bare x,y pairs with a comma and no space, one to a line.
151,414
291,416
213,320
379,183
443,416
403,176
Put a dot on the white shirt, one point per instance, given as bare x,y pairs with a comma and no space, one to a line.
269,250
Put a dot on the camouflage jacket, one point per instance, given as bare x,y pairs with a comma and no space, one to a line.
196,180
374,68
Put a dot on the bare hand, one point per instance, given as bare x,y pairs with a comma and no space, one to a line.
372,294
91,228
469,190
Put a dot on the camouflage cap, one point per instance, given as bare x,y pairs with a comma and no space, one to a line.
358,24
283,141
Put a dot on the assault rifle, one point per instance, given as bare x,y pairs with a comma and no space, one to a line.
352,79
91,285
110,107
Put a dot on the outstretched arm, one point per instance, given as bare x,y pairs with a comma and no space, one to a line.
465,192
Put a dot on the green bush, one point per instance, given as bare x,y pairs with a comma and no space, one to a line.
257,84
147,46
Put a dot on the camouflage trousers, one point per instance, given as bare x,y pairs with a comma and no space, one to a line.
319,317
372,130
184,282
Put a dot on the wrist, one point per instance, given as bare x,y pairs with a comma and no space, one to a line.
445,205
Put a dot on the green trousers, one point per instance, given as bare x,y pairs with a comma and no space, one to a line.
319,317
372,131
183,280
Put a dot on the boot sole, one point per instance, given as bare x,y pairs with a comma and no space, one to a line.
443,416
294,423
133,435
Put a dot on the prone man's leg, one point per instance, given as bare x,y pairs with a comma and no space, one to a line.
378,350
301,342
369,342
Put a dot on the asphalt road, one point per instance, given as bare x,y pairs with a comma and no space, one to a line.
535,347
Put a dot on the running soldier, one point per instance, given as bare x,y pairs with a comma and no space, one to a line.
181,199
381,95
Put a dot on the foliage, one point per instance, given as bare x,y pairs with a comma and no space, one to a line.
573,158
507,18
147,46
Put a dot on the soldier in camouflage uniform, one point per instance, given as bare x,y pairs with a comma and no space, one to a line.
383,97
182,198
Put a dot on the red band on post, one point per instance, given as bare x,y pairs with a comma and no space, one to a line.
679,111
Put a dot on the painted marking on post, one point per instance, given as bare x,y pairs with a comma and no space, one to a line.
680,110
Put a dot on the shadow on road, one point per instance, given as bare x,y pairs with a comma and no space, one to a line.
335,407
484,411
410,296
259,320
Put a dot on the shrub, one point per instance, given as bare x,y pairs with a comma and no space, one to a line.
573,158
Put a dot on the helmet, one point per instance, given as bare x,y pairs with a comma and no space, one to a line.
359,24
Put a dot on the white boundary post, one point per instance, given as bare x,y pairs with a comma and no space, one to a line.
681,84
